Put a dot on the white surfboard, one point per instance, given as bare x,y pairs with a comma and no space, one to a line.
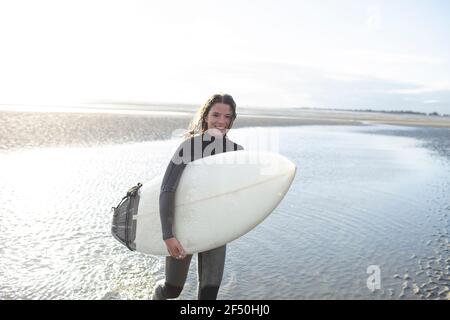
218,199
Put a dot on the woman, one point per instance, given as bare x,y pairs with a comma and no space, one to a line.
207,136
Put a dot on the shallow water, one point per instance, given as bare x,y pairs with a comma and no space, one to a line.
363,196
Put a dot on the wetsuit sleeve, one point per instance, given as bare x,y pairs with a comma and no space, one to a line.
167,195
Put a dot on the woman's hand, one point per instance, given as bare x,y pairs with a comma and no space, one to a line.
175,248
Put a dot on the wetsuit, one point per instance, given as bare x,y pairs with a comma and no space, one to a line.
210,263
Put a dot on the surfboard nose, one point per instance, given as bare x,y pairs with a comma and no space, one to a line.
291,170
287,165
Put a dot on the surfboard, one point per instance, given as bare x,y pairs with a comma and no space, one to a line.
218,199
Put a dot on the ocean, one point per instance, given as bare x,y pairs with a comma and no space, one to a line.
367,216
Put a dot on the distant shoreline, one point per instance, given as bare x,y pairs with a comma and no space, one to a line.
193,107
246,116
183,107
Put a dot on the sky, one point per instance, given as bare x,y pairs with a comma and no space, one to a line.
347,54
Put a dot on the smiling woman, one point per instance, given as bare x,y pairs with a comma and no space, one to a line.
219,118
208,128
219,112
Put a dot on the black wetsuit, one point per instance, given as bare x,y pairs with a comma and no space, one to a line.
211,262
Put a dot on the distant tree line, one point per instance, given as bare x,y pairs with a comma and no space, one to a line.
403,112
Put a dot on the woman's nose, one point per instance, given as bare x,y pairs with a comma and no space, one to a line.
222,120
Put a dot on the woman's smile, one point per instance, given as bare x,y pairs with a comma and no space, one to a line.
219,118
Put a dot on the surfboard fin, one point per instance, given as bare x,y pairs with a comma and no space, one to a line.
123,225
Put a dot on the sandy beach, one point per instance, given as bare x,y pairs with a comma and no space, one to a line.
74,126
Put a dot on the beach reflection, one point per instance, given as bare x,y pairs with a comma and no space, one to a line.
361,198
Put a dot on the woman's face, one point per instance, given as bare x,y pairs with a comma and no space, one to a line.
219,119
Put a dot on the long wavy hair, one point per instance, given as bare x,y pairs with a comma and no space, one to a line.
199,125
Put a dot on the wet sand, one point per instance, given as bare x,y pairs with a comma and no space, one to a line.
365,195
360,198
20,129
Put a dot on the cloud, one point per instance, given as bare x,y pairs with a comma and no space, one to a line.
418,89
290,84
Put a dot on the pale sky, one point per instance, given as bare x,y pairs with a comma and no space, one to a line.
352,54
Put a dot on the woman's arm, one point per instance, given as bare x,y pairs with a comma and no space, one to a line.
167,200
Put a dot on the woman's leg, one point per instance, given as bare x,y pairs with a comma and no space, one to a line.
176,274
210,271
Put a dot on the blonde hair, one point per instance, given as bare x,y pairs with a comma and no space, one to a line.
198,125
